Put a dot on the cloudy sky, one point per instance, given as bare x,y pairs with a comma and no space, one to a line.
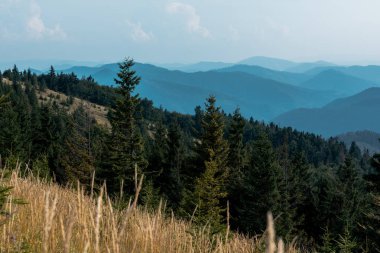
166,31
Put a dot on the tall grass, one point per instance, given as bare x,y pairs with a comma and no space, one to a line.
60,219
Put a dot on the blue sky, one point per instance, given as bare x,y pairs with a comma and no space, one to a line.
166,31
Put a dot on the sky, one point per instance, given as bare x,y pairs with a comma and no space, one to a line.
167,31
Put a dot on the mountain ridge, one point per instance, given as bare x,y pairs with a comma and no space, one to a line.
350,114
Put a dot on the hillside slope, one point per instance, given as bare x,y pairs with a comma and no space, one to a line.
97,112
355,113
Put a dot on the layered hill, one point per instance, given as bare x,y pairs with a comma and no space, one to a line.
337,82
280,76
370,73
355,113
259,97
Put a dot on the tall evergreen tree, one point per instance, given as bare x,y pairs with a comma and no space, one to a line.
212,137
78,161
209,195
237,156
260,191
175,159
124,151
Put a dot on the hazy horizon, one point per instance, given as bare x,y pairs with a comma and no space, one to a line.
167,31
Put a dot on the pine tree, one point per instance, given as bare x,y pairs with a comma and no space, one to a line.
260,191
294,191
78,161
212,137
355,152
175,158
355,200
209,195
237,156
52,78
124,151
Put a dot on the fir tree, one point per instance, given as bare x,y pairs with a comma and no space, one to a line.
237,156
209,195
124,151
260,191
212,137
175,159
78,161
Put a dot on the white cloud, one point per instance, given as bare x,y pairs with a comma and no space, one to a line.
138,33
193,19
37,29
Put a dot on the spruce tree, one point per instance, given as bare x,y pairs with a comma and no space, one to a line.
78,159
175,159
209,195
237,156
212,137
355,201
260,191
124,151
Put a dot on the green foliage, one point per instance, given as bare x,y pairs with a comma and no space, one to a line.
208,195
346,243
260,190
196,162
210,187
124,150
5,192
41,168
237,155
328,244
150,196
77,161
3,101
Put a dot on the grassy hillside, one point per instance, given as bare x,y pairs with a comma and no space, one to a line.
57,219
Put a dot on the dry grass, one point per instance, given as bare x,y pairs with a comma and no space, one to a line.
58,219
98,112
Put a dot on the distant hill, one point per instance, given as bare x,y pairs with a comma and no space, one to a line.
268,62
179,91
280,76
364,139
44,64
370,73
304,67
284,65
200,66
355,113
338,82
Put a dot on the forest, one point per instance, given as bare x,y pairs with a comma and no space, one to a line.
215,168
